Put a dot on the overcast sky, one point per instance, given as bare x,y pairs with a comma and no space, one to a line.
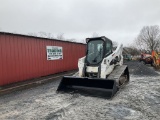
119,20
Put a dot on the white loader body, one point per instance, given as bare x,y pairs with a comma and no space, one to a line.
106,67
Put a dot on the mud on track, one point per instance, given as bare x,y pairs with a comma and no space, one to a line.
140,99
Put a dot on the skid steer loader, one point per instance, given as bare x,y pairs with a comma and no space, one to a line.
101,72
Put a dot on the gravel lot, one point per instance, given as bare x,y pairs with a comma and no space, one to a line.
139,100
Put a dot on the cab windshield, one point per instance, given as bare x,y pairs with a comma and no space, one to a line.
95,51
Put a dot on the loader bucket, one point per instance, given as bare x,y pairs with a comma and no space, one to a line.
88,86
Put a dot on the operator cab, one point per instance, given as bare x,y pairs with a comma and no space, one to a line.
97,49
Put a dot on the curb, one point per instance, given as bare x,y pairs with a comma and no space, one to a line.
32,83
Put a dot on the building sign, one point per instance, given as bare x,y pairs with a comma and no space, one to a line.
54,52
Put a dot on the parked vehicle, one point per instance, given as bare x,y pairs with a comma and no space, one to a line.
146,59
127,57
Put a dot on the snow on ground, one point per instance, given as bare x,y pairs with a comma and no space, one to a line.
139,100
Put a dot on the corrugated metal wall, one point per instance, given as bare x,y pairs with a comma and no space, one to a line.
24,57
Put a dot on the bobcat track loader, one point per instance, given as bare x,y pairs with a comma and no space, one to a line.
101,72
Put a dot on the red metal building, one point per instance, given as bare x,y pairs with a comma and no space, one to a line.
24,57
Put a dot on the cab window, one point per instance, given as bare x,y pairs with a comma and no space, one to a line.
108,48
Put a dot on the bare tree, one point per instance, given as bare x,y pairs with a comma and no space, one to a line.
60,36
46,35
138,44
42,34
32,34
133,50
72,40
149,38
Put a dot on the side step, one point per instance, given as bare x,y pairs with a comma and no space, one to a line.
105,88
